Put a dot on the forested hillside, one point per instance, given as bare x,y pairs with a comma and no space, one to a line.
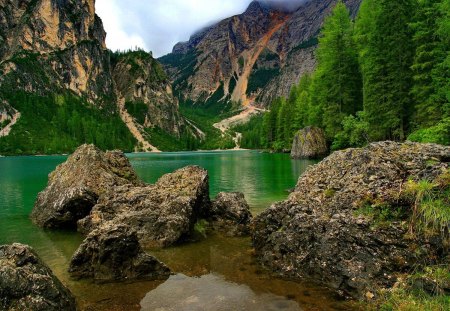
383,76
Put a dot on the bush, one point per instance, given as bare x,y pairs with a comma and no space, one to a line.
439,134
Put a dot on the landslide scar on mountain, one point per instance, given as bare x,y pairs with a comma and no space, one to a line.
250,57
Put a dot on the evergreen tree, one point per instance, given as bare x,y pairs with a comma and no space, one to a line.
386,54
429,63
337,82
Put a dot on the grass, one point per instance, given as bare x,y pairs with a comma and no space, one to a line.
430,205
421,291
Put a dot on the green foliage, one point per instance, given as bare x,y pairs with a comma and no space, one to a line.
410,296
252,133
166,142
201,227
431,205
386,54
439,134
337,81
313,41
355,133
59,124
138,110
431,70
260,77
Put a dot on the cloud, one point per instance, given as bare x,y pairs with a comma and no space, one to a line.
284,5
157,25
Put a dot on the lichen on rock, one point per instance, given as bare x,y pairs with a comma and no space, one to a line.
309,143
75,186
26,283
323,230
113,253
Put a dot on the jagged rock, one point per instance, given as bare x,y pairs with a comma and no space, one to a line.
26,283
74,187
230,213
162,214
309,143
322,230
113,253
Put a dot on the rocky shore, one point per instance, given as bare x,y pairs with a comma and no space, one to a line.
100,194
350,224
347,224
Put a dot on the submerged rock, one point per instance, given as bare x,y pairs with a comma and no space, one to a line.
26,283
345,225
230,213
113,253
74,187
309,142
162,214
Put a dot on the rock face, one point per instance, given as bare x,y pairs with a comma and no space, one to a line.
162,214
54,43
230,213
140,79
323,230
232,57
75,186
113,253
26,283
309,143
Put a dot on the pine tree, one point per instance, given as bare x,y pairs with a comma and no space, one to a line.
386,54
429,58
337,81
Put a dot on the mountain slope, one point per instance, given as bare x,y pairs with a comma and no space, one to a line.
56,71
256,56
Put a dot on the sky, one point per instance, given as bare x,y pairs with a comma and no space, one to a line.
157,25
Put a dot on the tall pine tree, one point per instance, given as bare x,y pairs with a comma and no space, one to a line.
386,55
337,81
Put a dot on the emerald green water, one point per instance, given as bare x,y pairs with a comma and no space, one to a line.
215,264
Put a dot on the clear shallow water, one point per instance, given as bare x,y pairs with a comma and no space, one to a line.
210,266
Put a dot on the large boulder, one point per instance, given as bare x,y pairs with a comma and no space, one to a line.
113,253
75,186
26,283
230,214
162,214
346,225
309,143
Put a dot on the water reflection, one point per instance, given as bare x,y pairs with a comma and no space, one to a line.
211,292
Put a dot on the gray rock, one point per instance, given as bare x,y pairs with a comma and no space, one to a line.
113,253
74,187
321,231
230,213
162,214
26,283
309,143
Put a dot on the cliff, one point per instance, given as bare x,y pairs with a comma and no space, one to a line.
253,57
58,76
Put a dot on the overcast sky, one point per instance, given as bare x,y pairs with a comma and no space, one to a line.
156,25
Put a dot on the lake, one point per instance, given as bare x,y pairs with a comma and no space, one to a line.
215,273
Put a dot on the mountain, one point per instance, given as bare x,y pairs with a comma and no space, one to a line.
63,87
252,57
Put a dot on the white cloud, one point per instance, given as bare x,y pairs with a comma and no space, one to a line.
157,25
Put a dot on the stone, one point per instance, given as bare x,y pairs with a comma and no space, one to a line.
230,214
26,283
322,231
162,214
309,143
112,253
75,186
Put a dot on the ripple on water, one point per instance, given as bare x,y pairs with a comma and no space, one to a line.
211,292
